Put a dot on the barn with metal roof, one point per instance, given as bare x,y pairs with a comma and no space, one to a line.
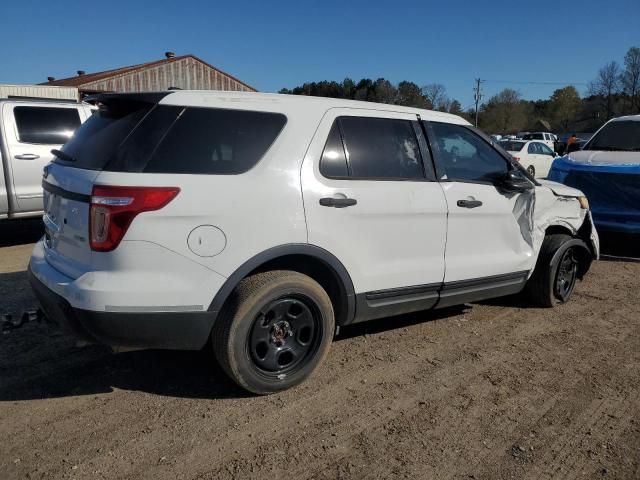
184,72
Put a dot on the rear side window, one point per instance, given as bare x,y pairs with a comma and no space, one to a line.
381,148
333,163
141,137
46,125
215,141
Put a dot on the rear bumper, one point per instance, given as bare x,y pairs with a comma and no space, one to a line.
170,330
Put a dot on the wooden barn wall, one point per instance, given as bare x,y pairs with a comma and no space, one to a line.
187,73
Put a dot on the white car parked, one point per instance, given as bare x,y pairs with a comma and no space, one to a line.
534,156
264,222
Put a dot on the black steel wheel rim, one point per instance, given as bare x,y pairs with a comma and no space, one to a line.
285,335
566,275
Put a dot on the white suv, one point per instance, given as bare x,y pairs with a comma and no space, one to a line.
265,222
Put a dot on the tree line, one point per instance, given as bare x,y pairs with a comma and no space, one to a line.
614,91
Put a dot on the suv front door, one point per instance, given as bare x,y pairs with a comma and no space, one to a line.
371,202
489,248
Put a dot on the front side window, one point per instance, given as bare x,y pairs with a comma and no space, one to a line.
464,156
381,148
620,136
46,125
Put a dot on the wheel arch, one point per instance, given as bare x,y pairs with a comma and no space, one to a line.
579,241
310,260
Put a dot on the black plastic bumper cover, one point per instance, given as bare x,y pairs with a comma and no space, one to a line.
170,330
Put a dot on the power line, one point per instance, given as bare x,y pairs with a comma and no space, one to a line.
517,82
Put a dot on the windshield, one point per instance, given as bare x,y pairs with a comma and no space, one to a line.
511,145
533,136
621,136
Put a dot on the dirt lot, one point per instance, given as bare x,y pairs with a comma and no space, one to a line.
485,391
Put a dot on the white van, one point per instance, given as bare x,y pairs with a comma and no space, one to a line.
29,130
262,222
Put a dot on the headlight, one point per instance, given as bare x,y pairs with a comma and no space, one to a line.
584,203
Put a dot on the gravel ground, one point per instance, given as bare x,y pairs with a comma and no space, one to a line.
484,391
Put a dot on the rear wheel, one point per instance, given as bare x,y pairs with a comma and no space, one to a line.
532,171
556,272
275,330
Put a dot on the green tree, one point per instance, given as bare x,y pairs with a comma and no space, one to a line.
505,112
630,79
455,107
410,95
564,106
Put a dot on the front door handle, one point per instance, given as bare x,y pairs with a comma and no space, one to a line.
337,202
27,156
469,203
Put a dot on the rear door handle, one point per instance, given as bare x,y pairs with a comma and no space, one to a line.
337,202
27,156
469,203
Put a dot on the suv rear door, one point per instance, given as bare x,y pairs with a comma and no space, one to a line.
370,202
31,131
488,231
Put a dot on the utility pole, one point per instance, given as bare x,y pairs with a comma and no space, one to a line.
477,96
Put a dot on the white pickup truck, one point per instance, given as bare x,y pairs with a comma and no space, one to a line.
29,130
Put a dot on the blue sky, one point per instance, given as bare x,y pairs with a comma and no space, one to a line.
275,44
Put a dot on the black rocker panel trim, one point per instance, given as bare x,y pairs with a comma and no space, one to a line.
397,301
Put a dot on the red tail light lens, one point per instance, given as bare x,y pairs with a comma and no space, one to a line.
114,208
517,159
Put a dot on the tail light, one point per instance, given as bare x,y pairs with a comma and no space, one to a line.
114,208
517,159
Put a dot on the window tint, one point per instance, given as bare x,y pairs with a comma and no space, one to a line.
135,136
512,145
99,138
464,156
334,162
215,141
380,148
533,148
46,125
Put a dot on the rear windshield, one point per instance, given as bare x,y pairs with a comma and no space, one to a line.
512,146
621,136
141,137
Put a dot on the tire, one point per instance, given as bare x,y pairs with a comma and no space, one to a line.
274,331
532,170
556,271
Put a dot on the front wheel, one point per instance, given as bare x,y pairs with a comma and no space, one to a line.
274,331
556,272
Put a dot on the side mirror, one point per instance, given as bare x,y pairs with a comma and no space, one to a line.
515,181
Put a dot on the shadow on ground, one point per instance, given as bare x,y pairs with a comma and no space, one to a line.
20,232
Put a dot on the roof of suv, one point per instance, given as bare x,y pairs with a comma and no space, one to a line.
291,103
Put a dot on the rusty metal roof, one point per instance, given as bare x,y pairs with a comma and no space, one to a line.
80,80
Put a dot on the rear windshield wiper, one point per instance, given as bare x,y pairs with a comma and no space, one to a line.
64,156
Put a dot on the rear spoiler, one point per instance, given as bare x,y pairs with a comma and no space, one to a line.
143,97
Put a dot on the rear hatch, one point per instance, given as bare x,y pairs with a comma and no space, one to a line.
68,181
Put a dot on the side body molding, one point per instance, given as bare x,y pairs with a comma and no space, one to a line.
299,249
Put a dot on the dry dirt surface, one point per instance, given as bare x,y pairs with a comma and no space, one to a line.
485,391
